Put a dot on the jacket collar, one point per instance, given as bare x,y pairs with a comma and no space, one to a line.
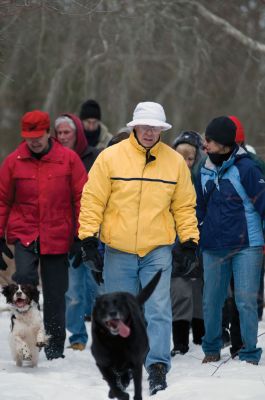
55,154
209,167
152,152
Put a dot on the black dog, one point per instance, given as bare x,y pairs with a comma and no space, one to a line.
119,339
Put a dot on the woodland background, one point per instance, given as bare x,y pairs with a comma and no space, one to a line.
199,59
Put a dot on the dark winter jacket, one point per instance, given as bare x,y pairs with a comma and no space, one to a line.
41,198
231,203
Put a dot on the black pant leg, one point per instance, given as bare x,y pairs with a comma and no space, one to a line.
27,262
236,339
54,275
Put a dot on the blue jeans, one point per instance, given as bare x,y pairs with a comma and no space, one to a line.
80,296
128,272
218,268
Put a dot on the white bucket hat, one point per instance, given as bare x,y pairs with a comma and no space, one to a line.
149,113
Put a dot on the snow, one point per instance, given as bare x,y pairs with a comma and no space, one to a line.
76,377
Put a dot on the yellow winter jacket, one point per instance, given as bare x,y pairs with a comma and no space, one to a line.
138,199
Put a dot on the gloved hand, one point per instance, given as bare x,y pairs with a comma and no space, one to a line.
4,249
76,252
92,258
184,259
98,278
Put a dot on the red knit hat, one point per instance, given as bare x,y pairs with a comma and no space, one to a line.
34,124
240,133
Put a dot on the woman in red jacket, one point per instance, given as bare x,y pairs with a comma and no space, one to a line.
40,189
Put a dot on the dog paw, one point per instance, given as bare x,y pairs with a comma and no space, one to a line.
123,396
19,363
26,355
118,394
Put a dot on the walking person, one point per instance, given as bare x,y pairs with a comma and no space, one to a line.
83,288
230,210
187,284
40,189
140,195
96,132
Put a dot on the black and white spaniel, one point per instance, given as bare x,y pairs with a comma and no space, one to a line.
27,333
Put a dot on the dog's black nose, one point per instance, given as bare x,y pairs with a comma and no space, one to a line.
18,293
113,314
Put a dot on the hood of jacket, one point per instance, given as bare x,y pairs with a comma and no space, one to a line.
81,141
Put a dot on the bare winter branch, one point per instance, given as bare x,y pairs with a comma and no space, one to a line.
227,28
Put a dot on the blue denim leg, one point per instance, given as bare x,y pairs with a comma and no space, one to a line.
247,266
92,291
217,275
76,301
128,272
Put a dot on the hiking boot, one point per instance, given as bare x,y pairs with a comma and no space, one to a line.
197,327
52,351
53,354
211,358
157,378
77,346
180,333
179,349
252,362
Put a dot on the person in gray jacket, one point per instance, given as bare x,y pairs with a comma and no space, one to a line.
186,286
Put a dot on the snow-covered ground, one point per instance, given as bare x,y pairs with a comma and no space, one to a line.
77,378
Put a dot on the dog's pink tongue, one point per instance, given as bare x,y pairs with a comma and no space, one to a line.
124,330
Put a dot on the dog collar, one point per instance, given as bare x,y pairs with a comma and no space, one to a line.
23,311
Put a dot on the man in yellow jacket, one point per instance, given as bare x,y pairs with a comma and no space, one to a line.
139,196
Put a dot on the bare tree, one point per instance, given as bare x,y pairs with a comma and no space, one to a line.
198,58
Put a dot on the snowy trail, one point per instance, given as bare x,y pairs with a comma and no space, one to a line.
77,378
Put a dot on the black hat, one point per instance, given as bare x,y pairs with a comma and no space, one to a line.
90,109
222,130
190,137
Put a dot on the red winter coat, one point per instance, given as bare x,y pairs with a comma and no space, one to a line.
41,198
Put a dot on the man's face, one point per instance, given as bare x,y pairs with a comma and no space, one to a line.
90,124
147,135
40,144
66,135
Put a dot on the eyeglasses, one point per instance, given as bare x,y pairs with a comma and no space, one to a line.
146,128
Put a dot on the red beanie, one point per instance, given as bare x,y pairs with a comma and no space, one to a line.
34,124
240,133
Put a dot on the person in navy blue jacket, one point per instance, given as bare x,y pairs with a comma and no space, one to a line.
230,211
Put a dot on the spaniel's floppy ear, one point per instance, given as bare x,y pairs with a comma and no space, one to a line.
8,291
32,292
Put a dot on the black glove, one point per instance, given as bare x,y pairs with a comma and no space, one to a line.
98,278
4,249
184,259
76,252
90,254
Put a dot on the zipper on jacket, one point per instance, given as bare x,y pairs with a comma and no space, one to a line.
148,159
